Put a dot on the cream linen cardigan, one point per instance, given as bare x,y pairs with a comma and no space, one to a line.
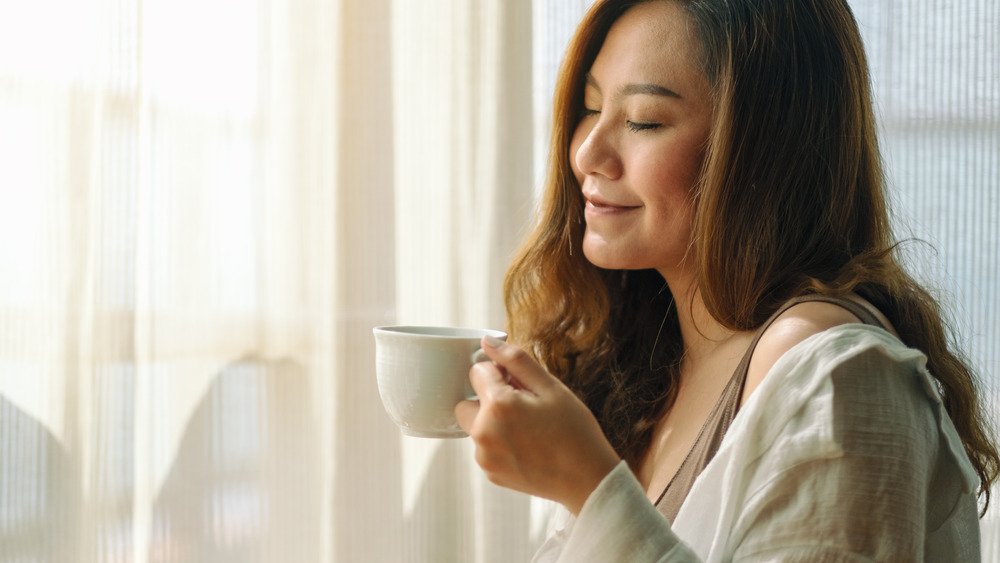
843,453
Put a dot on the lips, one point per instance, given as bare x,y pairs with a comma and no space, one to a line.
602,205
596,205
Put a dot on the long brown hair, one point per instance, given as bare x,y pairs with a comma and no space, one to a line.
790,201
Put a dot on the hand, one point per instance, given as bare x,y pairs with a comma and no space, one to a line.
532,434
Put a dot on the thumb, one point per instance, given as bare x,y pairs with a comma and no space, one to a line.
518,364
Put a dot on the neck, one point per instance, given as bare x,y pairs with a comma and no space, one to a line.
701,333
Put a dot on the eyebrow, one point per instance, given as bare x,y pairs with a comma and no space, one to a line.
632,89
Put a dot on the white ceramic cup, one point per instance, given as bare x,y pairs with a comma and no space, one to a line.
423,372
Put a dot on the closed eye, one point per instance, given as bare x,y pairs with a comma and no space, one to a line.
587,112
635,126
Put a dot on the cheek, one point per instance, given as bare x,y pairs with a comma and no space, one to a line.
673,173
677,168
574,145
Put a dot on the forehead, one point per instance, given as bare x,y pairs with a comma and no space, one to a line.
652,42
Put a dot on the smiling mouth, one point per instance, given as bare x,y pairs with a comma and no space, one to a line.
600,208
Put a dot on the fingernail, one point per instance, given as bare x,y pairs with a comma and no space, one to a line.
493,341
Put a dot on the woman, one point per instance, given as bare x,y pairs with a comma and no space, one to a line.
714,241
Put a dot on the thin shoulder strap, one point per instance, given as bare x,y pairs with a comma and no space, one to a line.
719,419
855,308
858,310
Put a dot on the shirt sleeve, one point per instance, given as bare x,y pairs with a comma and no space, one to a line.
618,523
889,479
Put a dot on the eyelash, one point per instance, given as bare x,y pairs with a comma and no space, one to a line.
637,127
632,125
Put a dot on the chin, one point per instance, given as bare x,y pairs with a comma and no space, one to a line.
615,257
608,258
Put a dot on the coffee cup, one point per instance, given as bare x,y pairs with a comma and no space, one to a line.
423,372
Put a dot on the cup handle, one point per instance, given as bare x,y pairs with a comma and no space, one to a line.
479,356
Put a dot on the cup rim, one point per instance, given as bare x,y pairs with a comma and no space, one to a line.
415,330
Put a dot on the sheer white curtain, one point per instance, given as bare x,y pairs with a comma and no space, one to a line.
167,303
205,207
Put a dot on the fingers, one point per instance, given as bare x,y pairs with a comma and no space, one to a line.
487,379
465,413
518,364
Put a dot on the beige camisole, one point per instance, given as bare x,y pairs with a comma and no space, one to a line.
724,411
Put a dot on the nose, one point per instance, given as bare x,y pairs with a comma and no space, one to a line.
594,151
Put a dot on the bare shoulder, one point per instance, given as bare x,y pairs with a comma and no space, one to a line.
794,326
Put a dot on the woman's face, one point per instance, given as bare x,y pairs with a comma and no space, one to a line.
638,147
